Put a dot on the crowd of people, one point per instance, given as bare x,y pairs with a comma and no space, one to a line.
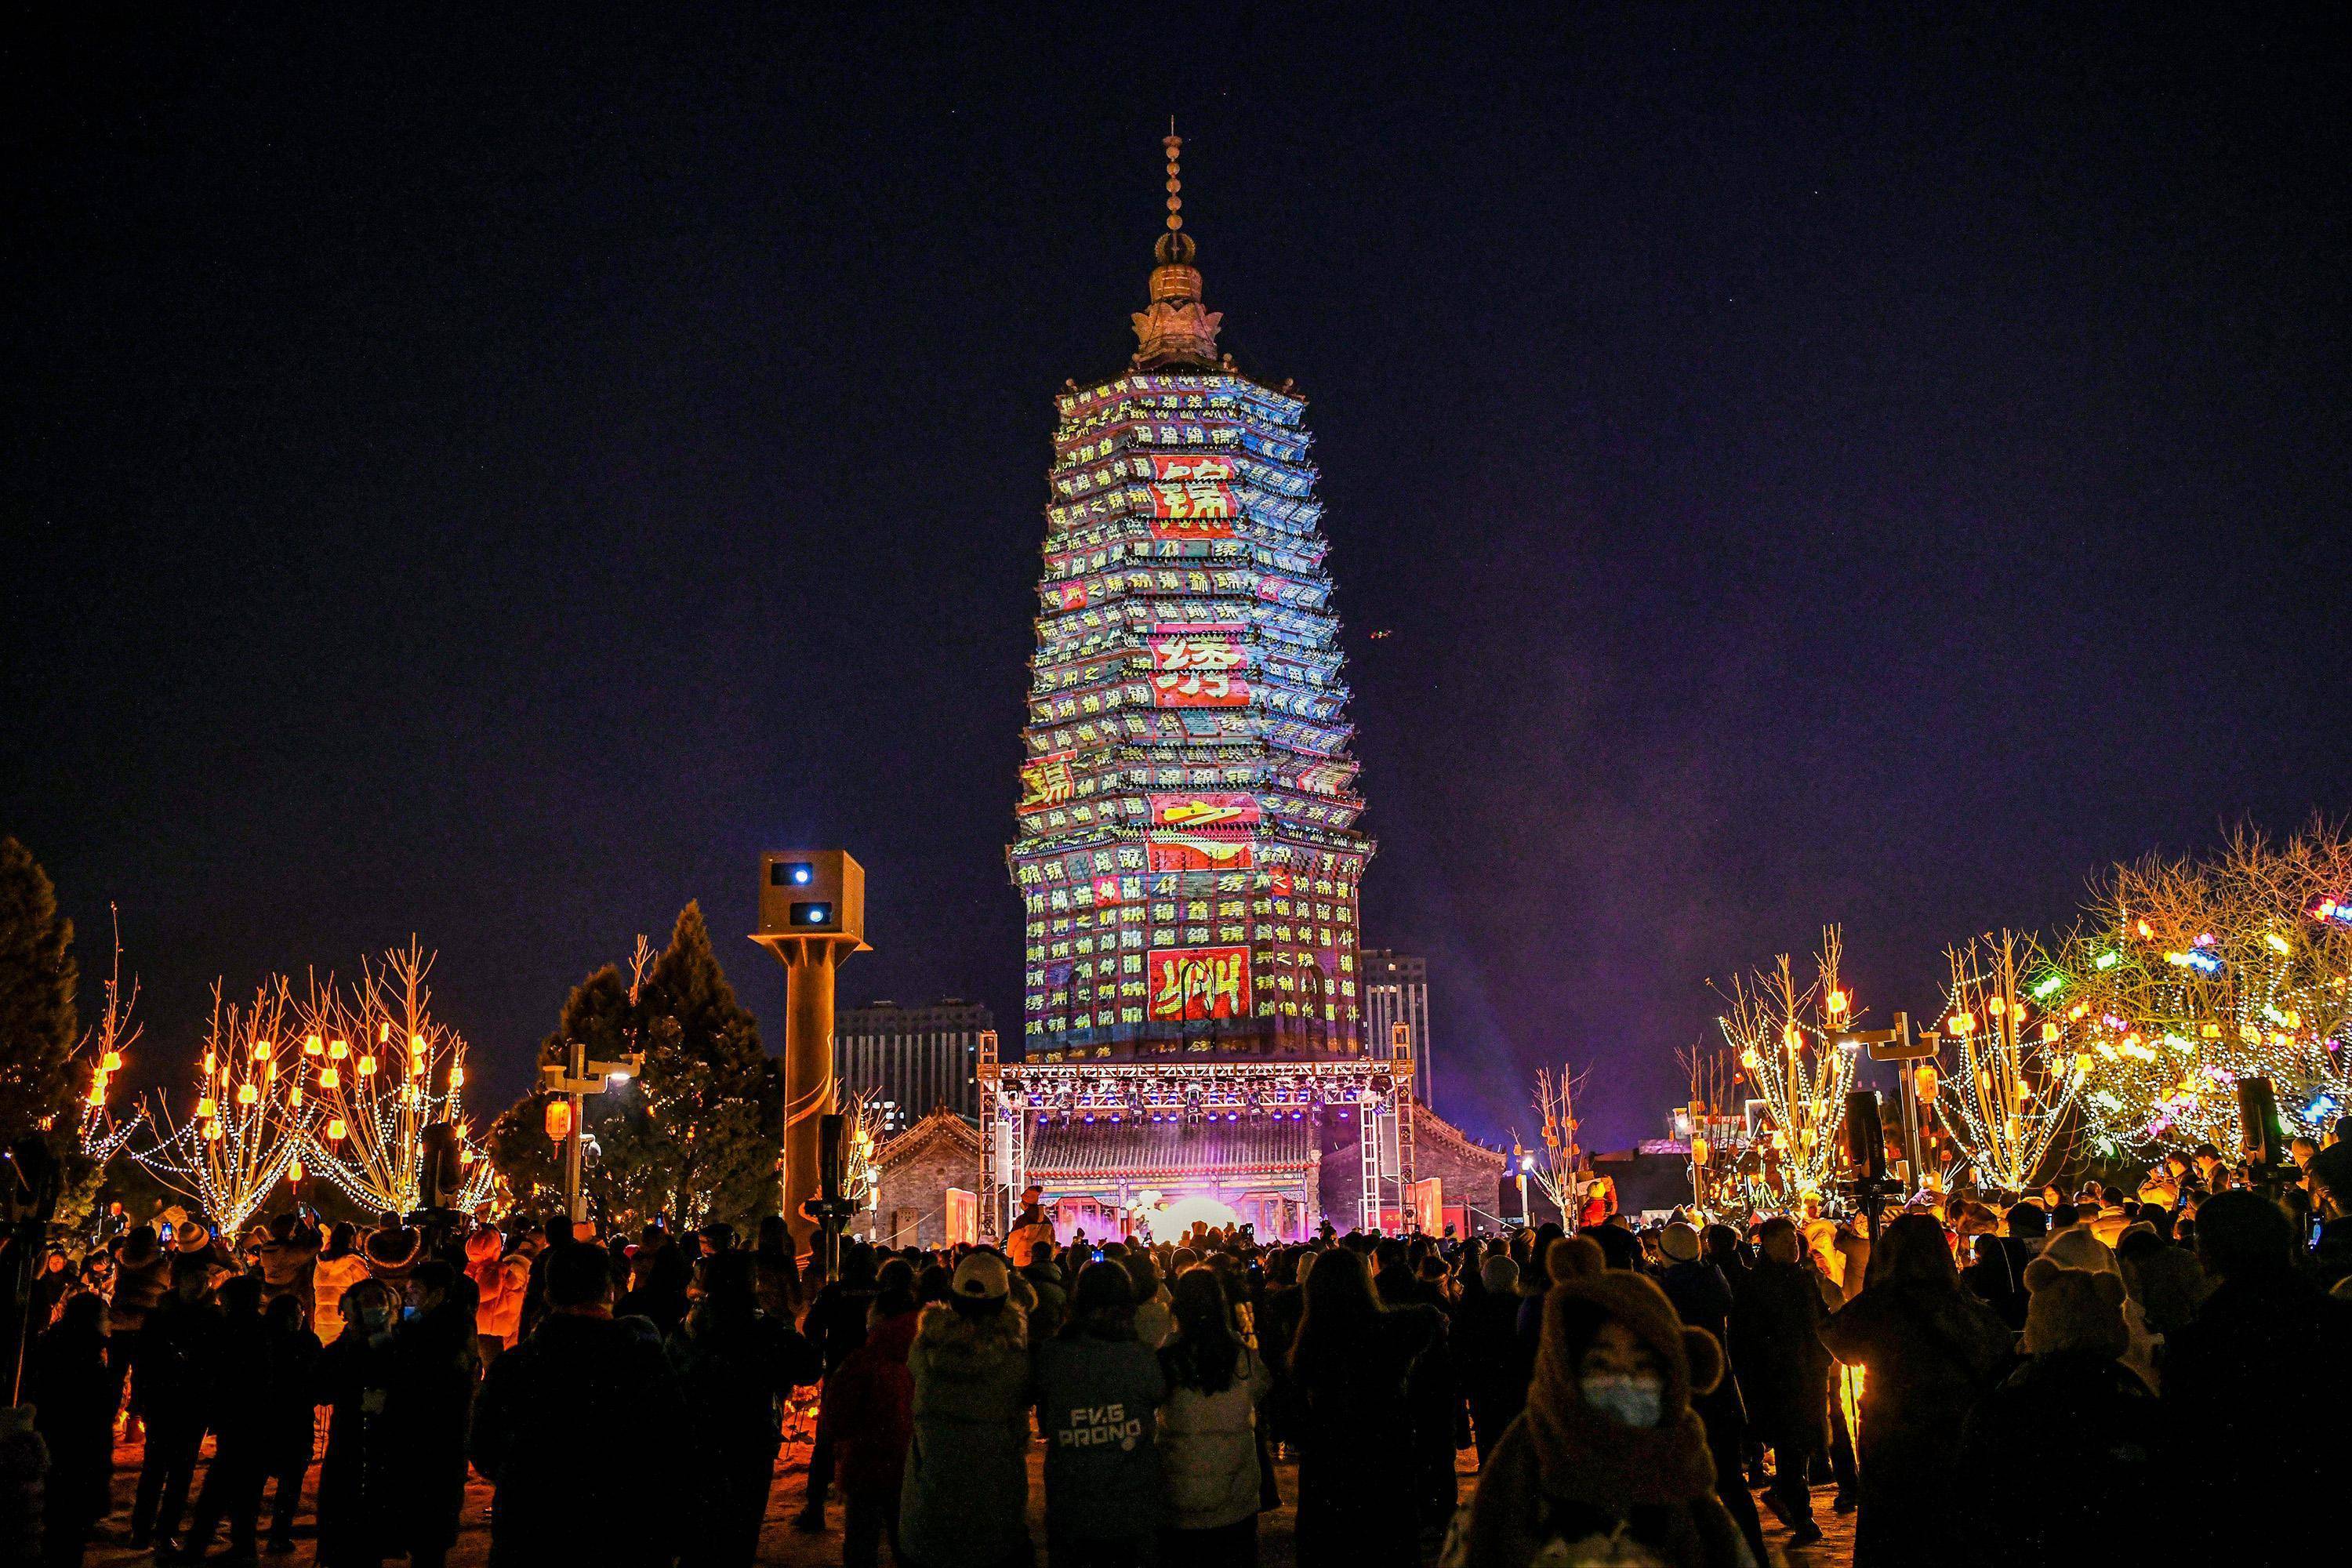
2036,1381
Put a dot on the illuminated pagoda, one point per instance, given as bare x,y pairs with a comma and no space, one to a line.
1187,852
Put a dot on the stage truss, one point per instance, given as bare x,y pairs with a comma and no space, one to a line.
1017,1097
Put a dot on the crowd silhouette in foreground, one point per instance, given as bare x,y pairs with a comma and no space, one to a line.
2052,1379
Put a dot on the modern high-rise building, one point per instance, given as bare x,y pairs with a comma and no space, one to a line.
1396,991
914,1060
1187,852
1193,1024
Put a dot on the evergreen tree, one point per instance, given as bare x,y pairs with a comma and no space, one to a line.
694,1135
38,980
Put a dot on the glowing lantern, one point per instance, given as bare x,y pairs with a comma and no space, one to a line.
2082,1063
212,1132
294,1095
313,1045
1996,1006
338,1049
367,1065
261,1051
382,1032
211,1062
247,1094
559,1120
330,1078
110,1062
336,1129
97,1091
2210,1031
1837,1003
1748,1060
2049,1030
1923,1081
457,1076
416,1045
1964,1024
206,1108
1790,1039
464,1156
294,1169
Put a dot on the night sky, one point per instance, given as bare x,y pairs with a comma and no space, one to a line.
489,475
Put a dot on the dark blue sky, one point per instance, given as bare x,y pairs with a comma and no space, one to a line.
489,475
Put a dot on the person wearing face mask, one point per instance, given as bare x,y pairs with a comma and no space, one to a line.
1608,1464
357,1511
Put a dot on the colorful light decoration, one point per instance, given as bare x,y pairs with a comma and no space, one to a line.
1186,853
240,1139
1781,1034
2196,973
372,1112
2014,1082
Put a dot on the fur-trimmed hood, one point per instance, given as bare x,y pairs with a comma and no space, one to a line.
970,1369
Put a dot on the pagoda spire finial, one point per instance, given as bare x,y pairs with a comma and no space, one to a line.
1175,330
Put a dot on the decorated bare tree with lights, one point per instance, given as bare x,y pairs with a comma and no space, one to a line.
2190,975
2009,1099
1711,1077
239,1131
375,1069
104,1049
1781,1033
1554,1170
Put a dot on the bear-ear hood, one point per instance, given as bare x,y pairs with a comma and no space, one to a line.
1584,1456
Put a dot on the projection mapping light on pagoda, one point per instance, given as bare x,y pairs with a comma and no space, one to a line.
1186,806
1187,857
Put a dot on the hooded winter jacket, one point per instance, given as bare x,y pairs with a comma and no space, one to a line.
966,1496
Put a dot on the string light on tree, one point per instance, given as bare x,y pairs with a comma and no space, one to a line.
2192,974
1781,1035
379,1070
240,1136
108,1044
2008,1102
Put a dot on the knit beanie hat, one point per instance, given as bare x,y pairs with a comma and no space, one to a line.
2074,1309
1500,1275
1679,1242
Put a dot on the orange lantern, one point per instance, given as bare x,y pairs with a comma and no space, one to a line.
559,1120
336,1130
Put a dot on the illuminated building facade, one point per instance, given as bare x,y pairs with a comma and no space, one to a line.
911,1060
1396,991
1187,853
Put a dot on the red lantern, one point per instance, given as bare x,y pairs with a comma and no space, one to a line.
559,1120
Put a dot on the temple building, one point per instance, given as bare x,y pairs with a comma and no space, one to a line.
1193,1040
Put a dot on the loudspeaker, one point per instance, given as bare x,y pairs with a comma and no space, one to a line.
2258,1122
1507,1200
440,1175
831,1166
1865,1137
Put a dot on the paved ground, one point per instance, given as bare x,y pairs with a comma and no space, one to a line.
780,1544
